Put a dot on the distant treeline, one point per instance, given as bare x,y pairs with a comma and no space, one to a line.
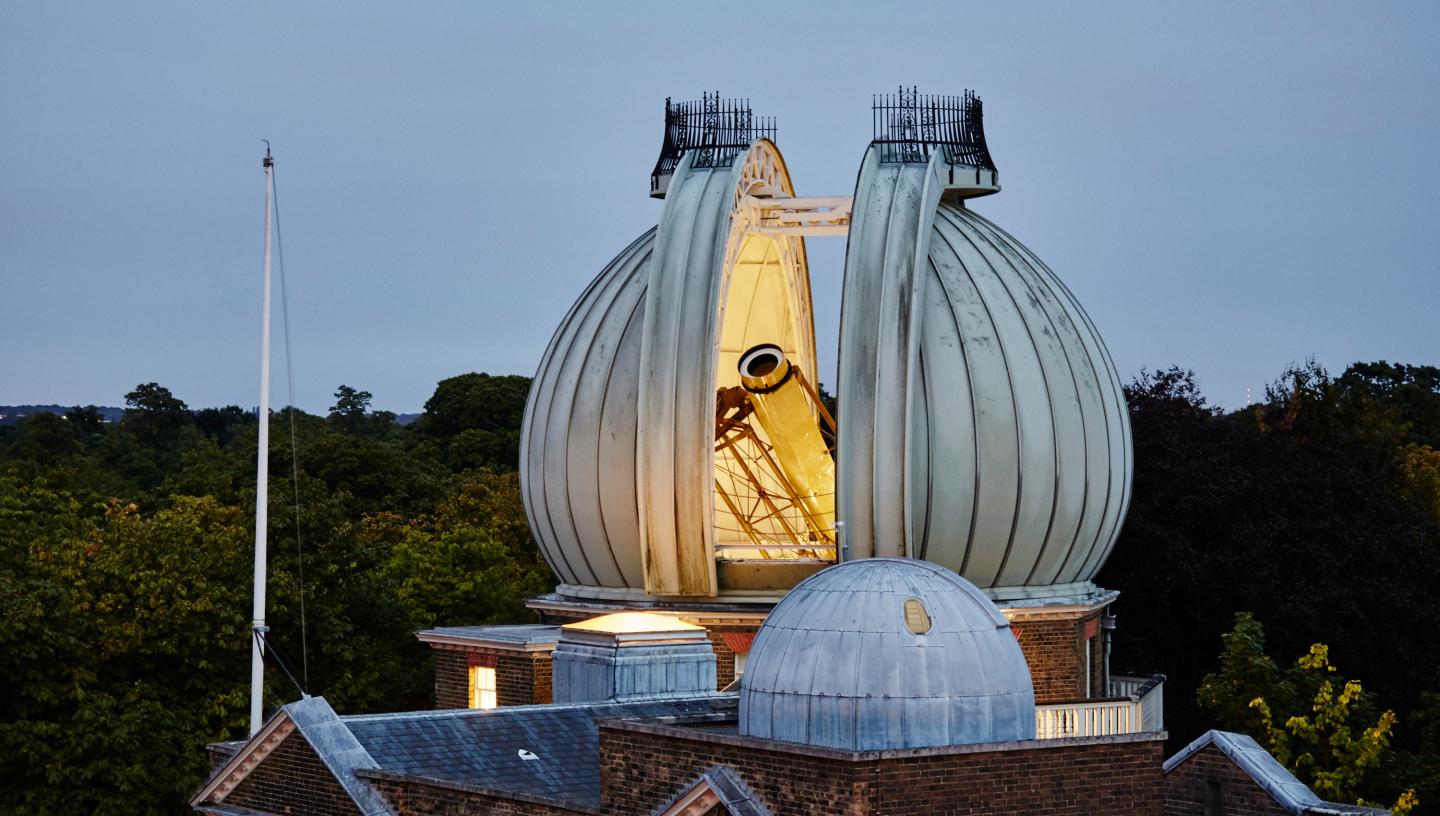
125,554
12,414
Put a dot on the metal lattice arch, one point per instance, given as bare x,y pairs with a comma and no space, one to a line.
982,425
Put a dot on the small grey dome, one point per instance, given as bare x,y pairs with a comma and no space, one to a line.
886,653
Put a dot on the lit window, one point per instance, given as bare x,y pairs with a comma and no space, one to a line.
740,658
482,687
917,619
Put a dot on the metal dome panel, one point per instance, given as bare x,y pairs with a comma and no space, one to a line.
577,463
835,665
983,425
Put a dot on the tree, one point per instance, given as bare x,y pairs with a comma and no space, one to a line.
87,423
351,413
1319,725
350,403
1296,508
157,419
476,418
125,642
46,439
219,424
155,400
1246,674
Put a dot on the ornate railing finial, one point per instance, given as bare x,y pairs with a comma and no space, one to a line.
716,129
909,125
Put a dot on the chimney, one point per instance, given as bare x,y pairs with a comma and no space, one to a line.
632,656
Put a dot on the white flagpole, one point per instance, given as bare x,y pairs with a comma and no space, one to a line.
262,476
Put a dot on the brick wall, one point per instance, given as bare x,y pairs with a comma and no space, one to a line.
413,797
452,678
521,678
1208,772
724,655
544,688
644,765
1054,648
1099,681
292,779
1109,778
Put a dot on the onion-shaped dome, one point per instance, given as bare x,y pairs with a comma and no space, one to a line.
886,653
982,422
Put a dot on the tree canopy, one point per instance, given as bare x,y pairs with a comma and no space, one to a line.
125,559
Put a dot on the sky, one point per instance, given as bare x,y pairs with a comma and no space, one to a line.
1227,187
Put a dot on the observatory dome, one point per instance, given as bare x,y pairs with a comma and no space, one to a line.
982,422
886,653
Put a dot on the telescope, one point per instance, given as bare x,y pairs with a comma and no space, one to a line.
787,463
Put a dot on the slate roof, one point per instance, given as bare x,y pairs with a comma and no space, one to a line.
483,747
519,634
1247,754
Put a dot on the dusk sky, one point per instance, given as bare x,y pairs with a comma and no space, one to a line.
1225,187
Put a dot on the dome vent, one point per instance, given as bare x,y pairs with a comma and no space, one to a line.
886,653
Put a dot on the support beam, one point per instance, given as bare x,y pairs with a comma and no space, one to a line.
811,215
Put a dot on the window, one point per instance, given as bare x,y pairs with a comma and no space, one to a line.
740,658
1214,798
482,687
1089,671
917,619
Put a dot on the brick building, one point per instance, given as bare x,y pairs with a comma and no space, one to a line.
758,612
931,711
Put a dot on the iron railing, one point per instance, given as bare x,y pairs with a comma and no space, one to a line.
716,130
909,125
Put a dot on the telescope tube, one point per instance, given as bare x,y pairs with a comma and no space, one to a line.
782,406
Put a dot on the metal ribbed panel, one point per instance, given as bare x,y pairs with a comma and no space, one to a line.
975,397
1022,404
577,454
835,665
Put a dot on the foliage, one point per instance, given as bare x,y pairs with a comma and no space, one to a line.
125,558
1246,674
1316,510
1319,725
115,630
479,417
